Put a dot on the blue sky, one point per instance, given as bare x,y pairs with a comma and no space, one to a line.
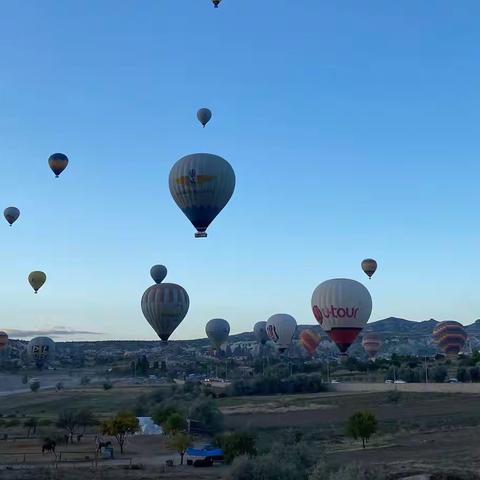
352,128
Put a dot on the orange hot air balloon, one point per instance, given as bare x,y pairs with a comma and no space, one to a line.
309,340
450,336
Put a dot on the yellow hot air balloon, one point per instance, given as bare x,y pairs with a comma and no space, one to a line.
36,280
369,266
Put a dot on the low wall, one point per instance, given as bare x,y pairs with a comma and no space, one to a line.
473,388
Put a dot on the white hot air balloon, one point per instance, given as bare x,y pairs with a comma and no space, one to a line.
342,307
281,328
217,330
41,350
165,305
201,185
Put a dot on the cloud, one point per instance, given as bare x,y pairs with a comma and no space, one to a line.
48,331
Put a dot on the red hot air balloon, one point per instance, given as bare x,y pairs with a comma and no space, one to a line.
310,340
450,336
342,307
371,342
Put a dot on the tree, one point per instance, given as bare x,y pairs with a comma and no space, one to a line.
206,412
439,374
236,444
67,420
161,414
107,385
362,425
85,418
31,425
175,423
120,426
180,442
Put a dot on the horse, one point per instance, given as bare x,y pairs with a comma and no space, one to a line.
49,446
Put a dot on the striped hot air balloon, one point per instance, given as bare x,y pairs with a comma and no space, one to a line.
3,340
450,336
371,342
310,340
342,307
165,305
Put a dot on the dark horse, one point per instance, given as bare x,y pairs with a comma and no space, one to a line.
49,446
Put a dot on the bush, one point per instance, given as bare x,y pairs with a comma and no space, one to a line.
84,380
35,386
323,471
107,385
236,444
394,396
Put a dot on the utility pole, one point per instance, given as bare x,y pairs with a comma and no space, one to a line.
426,370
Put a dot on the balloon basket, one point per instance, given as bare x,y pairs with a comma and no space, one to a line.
201,235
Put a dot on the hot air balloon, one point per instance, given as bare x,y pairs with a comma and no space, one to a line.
371,342
11,214
36,280
216,3
342,307
309,339
41,350
58,163
217,331
369,266
158,273
201,185
260,332
281,329
3,340
165,306
204,115
450,337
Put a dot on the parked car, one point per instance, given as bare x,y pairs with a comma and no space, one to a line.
452,380
399,381
388,381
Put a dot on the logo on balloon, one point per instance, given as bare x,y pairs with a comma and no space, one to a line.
193,179
272,333
337,312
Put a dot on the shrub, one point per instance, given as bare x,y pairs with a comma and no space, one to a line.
107,385
35,386
236,444
206,412
394,396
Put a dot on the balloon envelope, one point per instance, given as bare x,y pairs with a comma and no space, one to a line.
158,273
3,340
309,339
36,280
260,332
41,350
217,331
58,163
11,214
204,115
281,328
369,266
450,336
342,307
371,342
201,185
165,306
